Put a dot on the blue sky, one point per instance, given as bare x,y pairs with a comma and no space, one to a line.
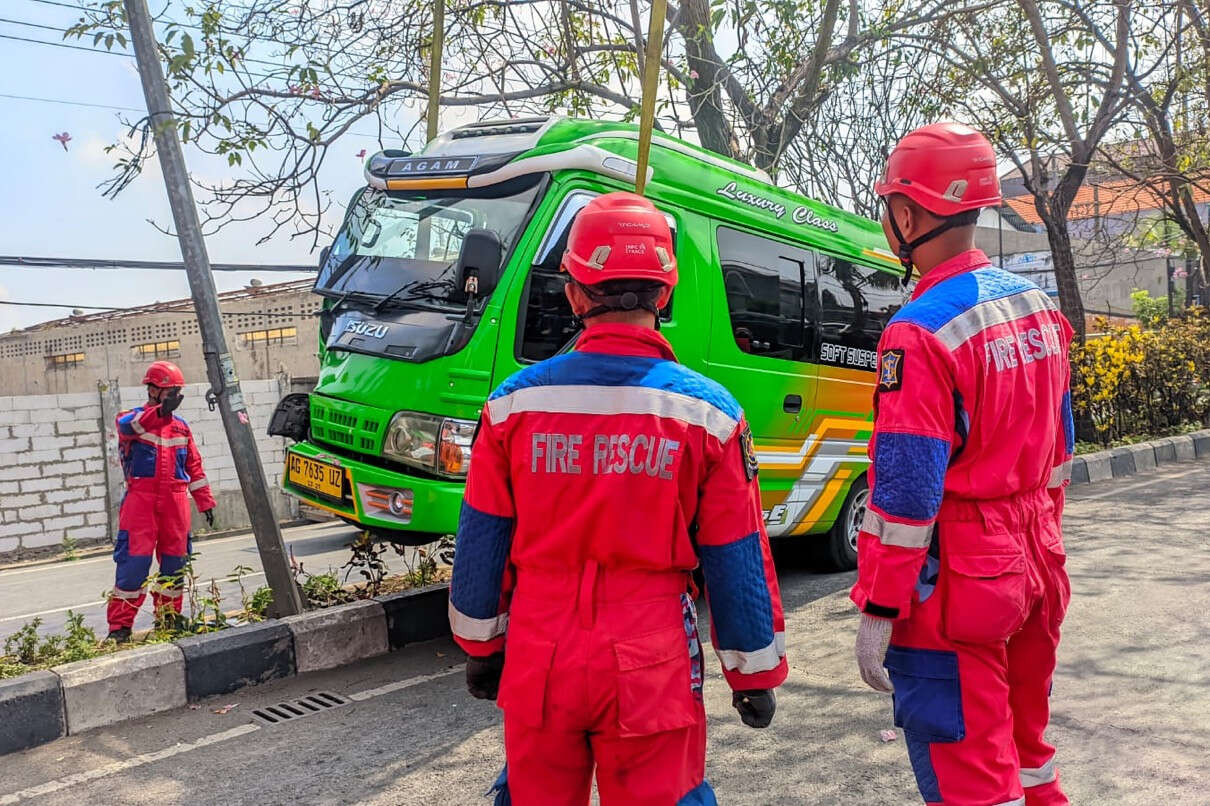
49,201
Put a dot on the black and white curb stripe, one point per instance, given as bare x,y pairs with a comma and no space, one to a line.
42,706
1141,458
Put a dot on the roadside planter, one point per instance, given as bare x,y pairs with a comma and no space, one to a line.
45,705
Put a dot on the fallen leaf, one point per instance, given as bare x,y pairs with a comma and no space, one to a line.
887,735
226,708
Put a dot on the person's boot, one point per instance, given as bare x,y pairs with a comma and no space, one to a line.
121,635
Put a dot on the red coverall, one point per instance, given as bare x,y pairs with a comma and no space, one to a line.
162,467
961,544
599,480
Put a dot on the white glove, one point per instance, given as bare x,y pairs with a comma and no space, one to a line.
873,638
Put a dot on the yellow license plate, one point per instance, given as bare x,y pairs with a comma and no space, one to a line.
320,477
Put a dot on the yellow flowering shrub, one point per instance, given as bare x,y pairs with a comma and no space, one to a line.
1133,382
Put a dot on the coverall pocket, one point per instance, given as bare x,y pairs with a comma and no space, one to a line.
986,596
654,683
928,693
522,694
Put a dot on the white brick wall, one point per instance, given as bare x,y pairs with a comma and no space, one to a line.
52,462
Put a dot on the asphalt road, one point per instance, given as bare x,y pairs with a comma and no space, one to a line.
48,591
1131,700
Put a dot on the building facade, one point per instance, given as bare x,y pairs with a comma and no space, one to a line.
272,330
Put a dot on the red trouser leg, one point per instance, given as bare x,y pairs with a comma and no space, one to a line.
173,546
608,682
1031,664
132,553
972,664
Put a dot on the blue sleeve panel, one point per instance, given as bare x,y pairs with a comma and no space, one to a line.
738,593
909,475
1069,424
125,419
480,555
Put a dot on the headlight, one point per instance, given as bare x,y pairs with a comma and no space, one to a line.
437,444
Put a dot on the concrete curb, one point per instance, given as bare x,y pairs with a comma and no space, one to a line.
42,706
121,686
1143,457
31,711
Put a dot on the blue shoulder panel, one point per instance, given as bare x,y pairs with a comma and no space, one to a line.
946,300
909,475
605,369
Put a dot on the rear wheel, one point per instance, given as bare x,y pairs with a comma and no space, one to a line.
840,545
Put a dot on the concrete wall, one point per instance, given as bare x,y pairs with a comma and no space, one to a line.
108,343
60,474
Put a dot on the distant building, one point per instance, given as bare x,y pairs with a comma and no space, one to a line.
271,330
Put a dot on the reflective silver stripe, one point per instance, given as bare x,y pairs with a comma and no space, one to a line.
1036,776
993,312
762,660
136,426
1018,802
904,535
118,593
171,442
167,592
477,629
1060,474
614,400
198,483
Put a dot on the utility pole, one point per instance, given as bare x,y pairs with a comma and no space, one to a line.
435,67
220,366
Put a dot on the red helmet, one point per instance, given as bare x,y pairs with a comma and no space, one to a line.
620,236
946,168
164,374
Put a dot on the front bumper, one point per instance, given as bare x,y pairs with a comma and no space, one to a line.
403,506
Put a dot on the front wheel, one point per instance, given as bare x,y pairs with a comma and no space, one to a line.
840,545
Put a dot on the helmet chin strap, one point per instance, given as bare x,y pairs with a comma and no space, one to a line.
626,301
906,247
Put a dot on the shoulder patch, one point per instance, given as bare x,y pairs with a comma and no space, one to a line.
748,453
890,371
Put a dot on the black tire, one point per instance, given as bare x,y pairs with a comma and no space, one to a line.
839,549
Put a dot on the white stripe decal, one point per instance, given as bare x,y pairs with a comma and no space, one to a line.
1036,776
992,312
477,629
904,535
615,400
762,660
198,483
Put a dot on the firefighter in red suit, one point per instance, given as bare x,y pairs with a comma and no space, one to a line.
163,468
600,479
960,557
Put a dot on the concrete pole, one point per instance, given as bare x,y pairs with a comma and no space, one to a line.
220,366
435,67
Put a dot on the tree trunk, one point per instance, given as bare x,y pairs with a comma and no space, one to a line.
1070,301
705,91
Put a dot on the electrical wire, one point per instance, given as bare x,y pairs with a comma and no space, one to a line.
148,309
66,102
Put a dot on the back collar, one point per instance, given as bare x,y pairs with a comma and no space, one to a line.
958,264
617,339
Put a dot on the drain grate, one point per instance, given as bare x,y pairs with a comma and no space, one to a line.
296,709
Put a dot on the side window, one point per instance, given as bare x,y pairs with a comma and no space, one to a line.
546,323
855,304
770,295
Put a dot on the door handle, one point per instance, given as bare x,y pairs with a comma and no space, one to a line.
792,404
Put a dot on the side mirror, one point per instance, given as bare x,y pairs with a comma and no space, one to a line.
479,262
323,256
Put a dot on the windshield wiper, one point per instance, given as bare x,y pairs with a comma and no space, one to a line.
420,290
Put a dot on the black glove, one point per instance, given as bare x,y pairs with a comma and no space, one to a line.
483,675
755,706
209,517
170,401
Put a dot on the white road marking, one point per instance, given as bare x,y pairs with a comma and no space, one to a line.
1119,490
128,764
185,747
402,684
201,544
76,607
